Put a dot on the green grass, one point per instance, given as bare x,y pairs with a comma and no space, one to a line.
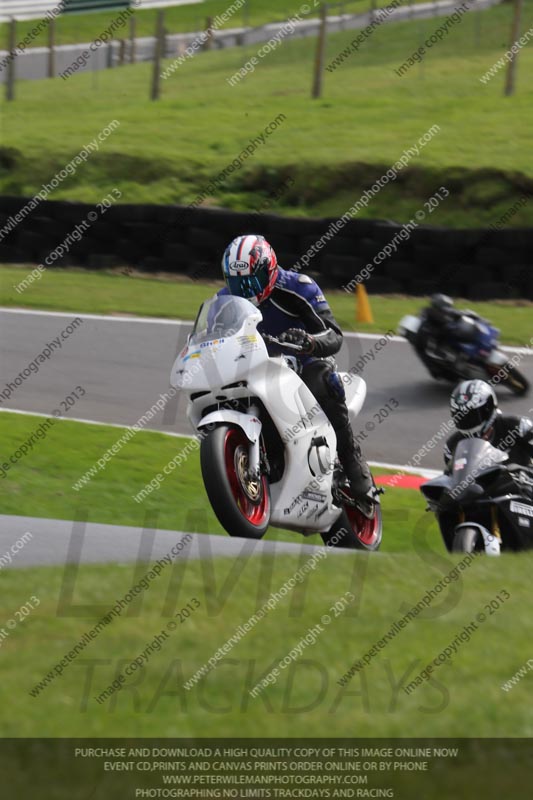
40,485
463,699
165,153
334,148
111,293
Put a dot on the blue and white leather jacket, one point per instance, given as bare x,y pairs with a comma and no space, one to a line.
297,301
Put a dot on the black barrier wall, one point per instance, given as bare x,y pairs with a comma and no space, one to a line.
475,263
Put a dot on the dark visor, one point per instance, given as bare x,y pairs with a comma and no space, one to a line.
469,420
248,285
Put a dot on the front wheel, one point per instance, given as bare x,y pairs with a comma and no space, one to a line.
512,378
468,540
241,503
516,382
354,531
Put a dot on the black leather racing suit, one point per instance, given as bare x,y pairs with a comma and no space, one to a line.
442,328
511,434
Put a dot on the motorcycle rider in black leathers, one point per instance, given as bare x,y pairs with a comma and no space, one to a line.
295,311
474,410
441,325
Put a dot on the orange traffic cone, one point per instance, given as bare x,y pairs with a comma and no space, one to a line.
363,312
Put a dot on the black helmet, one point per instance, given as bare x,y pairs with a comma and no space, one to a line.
441,301
473,407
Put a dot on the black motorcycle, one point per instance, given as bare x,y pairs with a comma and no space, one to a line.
477,355
485,504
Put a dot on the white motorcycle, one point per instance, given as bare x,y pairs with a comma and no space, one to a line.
268,451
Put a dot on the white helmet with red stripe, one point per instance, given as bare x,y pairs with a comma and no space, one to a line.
250,268
474,407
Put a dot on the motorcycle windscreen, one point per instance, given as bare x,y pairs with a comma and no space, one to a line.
409,324
472,457
222,316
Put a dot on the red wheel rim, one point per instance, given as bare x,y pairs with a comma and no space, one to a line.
235,450
366,530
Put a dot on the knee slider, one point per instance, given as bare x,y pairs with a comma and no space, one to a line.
335,386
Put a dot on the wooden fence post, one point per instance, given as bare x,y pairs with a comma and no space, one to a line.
515,35
52,48
208,45
320,53
11,45
156,76
133,23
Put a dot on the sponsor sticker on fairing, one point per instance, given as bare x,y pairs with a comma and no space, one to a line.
196,354
248,343
317,497
521,508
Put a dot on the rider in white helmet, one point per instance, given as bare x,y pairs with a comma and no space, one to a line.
475,412
295,310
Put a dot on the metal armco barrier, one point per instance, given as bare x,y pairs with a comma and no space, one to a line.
36,9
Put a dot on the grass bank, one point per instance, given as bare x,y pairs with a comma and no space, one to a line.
462,697
333,148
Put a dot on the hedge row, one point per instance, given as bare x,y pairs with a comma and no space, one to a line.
479,264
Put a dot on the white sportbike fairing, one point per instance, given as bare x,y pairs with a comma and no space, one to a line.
268,448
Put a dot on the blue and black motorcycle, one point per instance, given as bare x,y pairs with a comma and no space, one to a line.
470,350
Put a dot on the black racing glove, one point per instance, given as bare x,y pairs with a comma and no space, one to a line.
298,337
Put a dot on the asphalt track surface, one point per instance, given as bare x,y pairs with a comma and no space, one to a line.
58,541
124,365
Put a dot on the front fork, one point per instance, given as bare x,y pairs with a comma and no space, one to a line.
254,451
254,459
494,524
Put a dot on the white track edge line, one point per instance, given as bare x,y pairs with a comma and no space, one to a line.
94,422
425,473
166,321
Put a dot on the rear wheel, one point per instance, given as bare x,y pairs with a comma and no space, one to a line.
241,503
468,540
355,531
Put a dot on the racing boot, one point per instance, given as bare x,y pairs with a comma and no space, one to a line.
357,472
